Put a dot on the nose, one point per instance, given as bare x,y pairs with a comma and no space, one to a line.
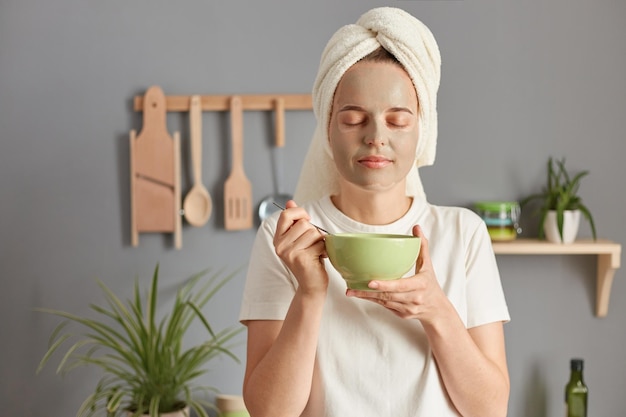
376,134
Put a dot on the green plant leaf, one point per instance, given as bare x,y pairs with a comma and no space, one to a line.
560,193
585,211
141,356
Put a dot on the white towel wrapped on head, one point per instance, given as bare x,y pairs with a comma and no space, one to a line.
412,43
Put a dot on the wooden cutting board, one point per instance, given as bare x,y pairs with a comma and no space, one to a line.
155,173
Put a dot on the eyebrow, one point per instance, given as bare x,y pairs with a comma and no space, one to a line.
401,109
350,107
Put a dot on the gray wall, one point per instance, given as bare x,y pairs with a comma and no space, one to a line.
522,81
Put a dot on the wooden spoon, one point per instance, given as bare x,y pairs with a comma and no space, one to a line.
197,204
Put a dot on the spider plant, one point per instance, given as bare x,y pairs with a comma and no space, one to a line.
146,368
560,194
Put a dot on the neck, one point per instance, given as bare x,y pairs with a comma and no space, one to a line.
374,208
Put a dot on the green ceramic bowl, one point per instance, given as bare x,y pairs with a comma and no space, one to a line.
363,257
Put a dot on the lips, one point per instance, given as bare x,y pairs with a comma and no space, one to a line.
375,161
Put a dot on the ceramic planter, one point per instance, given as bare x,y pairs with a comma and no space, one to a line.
231,406
571,221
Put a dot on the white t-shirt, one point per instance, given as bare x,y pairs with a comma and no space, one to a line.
370,361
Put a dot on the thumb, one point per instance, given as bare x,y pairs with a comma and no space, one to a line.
424,256
291,204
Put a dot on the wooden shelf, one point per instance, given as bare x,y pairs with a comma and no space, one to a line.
608,253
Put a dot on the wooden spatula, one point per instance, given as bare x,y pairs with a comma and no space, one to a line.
237,189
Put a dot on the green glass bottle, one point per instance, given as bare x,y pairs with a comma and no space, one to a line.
576,391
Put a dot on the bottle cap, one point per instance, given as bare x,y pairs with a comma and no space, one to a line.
576,364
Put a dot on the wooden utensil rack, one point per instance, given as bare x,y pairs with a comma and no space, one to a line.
277,103
221,102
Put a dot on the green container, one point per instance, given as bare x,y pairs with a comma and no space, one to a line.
501,218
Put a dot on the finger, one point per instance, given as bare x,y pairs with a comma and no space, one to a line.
291,204
391,286
298,240
291,232
385,300
302,229
376,296
391,300
289,217
308,236
423,259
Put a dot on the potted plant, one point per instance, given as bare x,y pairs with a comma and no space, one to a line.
147,369
561,205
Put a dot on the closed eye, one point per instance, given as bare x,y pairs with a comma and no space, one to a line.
400,121
351,117
400,117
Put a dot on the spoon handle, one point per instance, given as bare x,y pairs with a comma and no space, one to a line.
317,227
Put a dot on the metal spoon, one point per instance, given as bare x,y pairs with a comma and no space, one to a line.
317,227
279,197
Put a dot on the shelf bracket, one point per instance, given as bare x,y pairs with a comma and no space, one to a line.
608,256
608,263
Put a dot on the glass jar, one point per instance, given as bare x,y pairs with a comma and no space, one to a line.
501,217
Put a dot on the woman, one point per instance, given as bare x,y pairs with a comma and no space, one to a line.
430,344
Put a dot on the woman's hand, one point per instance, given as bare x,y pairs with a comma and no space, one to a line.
419,296
280,361
301,247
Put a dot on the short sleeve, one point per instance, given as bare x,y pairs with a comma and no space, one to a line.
269,286
486,302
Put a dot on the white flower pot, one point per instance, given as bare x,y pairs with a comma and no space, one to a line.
571,220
